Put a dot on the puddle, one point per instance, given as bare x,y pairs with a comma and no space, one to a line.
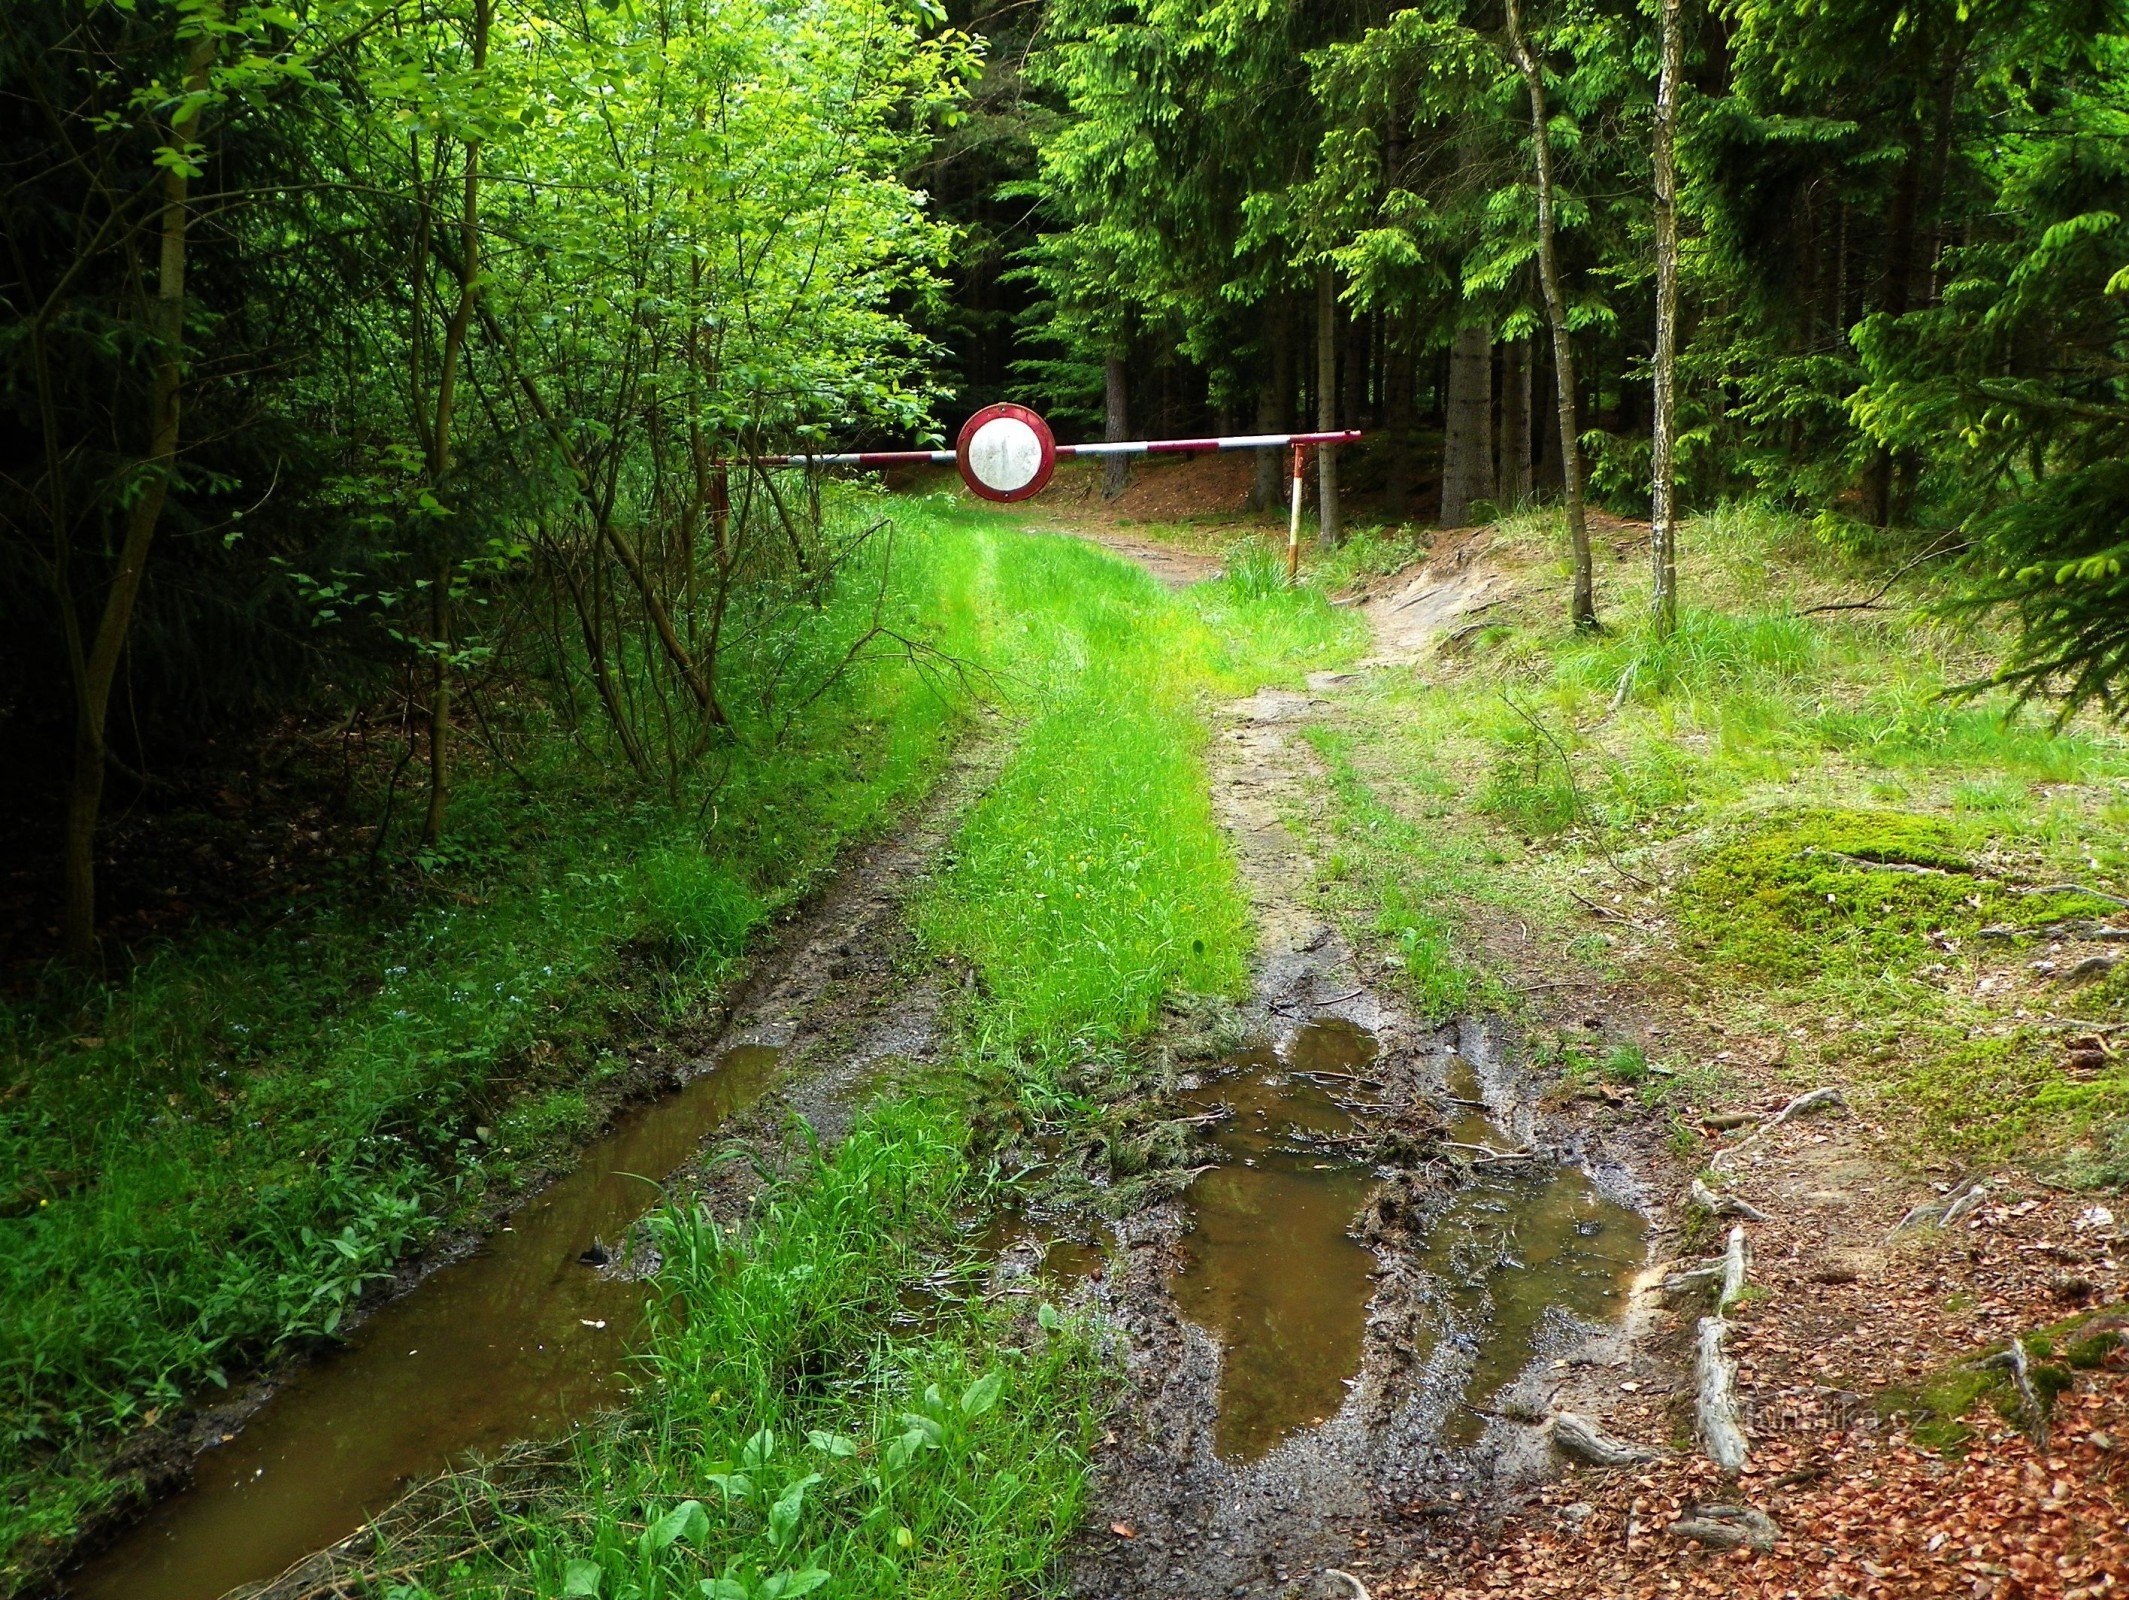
1269,1270
1271,1273
510,1343
1514,1249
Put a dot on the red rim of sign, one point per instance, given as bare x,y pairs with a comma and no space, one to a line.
1034,485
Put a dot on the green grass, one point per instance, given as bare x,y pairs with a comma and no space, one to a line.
796,1433
212,1159
1092,880
804,1430
1736,793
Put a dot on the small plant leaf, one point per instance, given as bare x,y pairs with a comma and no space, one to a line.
981,1395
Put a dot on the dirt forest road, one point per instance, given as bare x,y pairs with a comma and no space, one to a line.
1418,1482
1388,1285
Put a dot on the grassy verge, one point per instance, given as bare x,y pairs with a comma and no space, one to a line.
1778,822
797,1433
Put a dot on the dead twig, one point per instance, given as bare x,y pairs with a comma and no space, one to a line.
2076,888
1870,601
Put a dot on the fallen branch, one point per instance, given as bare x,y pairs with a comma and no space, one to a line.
1595,909
1725,1121
1486,1152
2077,888
1864,865
1575,1435
1870,602
1574,791
1724,1205
1728,1528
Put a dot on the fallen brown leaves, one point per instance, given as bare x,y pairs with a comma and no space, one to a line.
1887,1519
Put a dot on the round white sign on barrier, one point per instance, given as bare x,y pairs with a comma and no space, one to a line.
1006,453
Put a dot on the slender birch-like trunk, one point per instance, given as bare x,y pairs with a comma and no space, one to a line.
1663,538
1327,511
1584,604
96,669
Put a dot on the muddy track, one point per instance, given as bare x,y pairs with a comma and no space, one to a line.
830,995
844,993
1174,1517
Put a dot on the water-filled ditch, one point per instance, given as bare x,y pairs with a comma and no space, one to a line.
509,1343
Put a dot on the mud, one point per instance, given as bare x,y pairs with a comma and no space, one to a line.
1270,1269
1365,1328
511,1342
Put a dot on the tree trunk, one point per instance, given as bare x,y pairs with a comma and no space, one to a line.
1399,381
1663,537
1512,484
1116,425
1353,379
1467,435
1275,409
1327,522
440,462
1545,477
1584,604
98,669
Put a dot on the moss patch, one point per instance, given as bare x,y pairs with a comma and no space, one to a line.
1809,890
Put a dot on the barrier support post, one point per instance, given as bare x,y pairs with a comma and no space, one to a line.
1293,526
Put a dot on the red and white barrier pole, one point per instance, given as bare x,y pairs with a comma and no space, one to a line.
1007,453
1066,452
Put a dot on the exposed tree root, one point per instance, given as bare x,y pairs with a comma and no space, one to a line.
2030,1405
1811,1100
1728,1528
1722,1434
1360,1590
1576,1436
1724,1205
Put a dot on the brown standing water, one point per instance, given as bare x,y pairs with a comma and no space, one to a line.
1517,1245
510,1343
1269,1269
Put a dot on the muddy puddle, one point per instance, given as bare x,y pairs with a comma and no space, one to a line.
510,1343
1522,1250
1269,1269
1522,1246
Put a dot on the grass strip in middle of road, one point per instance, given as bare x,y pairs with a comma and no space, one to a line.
832,1407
